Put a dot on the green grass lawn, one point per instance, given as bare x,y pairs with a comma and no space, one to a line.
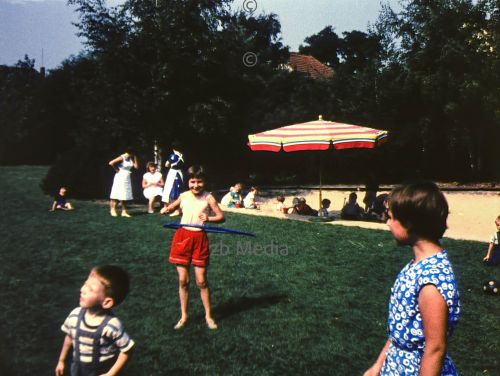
312,302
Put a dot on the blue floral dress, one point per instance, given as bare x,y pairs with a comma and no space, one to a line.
406,328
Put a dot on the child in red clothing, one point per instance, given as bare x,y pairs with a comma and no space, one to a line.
190,244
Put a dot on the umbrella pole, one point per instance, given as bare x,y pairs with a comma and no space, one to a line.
320,177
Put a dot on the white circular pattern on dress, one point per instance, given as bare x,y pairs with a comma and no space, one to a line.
405,321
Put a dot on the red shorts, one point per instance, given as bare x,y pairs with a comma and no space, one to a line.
190,247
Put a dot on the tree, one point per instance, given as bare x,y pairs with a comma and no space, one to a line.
324,46
22,138
442,65
161,71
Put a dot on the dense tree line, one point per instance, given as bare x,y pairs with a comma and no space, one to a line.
173,70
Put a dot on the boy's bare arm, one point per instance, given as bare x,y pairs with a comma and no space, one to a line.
121,361
67,345
54,204
174,205
219,215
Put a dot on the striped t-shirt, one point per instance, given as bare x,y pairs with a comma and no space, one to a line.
113,339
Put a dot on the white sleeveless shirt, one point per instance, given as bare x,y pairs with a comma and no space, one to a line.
192,206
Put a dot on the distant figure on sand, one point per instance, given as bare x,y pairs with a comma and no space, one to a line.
323,211
493,255
190,244
60,202
424,307
174,183
378,209
226,199
351,210
249,200
152,183
301,208
371,188
280,206
236,200
122,184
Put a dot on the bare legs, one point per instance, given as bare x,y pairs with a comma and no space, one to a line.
202,283
151,204
113,207
183,272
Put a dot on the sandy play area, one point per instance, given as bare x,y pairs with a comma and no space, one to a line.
472,214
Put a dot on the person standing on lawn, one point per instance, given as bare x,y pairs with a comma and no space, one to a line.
122,184
100,344
174,181
190,244
424,306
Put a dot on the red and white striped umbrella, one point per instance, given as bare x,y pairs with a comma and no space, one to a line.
317,135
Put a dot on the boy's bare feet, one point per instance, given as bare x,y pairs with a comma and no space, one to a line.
211,324
181,324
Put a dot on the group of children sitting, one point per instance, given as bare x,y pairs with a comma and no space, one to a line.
376,210
234,199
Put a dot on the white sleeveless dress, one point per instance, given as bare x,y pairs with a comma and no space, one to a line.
122,185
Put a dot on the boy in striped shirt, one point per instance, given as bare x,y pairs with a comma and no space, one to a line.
100,344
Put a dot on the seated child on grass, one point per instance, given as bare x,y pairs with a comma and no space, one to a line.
60,202
99,343
249,200
493,255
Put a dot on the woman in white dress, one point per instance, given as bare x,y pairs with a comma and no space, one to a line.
122,185
152,183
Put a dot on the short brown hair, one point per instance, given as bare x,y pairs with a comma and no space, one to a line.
421,208
151,164
117,281
196,172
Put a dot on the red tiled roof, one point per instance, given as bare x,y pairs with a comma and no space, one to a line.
309,65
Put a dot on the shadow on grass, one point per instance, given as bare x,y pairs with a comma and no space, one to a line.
235,306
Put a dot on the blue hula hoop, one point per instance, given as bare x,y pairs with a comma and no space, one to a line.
212,229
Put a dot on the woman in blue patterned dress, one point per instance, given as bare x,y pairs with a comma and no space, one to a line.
174,183
424,306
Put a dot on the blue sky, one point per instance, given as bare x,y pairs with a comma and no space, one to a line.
28,26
